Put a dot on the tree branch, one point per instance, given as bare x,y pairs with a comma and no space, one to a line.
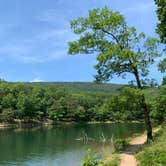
113,36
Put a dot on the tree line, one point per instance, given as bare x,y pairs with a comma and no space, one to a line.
28,103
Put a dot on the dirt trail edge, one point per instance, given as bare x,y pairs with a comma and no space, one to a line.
128,156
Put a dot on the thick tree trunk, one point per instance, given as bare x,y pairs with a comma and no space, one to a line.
144,107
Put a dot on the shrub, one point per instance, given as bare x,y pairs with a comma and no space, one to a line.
121,144
114,161
91,159
152,156
7,115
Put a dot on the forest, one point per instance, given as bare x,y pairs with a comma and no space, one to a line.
37,103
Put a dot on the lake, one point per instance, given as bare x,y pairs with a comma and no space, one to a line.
58,145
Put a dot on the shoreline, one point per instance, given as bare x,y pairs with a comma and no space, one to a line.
18,124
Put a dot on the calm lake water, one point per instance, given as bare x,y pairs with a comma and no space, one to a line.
57,146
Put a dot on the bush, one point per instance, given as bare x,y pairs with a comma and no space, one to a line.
152,157
7,115
121,144
114,161
91,159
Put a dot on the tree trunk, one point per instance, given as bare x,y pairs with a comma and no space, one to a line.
144,107
147,118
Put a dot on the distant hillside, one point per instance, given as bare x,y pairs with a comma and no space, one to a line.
83,86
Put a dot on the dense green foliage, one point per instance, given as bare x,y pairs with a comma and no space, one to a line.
161,28
92,159
164,81
161,13
83,86
159,106
26,102
19,101
155,153
121,144
124,106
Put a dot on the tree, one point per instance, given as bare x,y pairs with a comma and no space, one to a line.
161,13
120,50
164,81
58,109
161,28
26,105
159,111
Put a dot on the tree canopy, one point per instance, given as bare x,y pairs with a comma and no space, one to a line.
161,13
119,48
161,28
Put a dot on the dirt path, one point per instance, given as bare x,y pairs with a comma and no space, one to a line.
127,157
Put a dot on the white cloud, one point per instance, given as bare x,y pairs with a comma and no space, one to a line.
37,79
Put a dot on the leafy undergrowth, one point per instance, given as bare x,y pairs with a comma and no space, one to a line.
113,161
154,154
92,159
121,144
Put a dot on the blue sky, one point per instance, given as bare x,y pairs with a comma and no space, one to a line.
34,36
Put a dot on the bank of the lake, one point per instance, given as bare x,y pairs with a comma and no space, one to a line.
32,124
140,152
